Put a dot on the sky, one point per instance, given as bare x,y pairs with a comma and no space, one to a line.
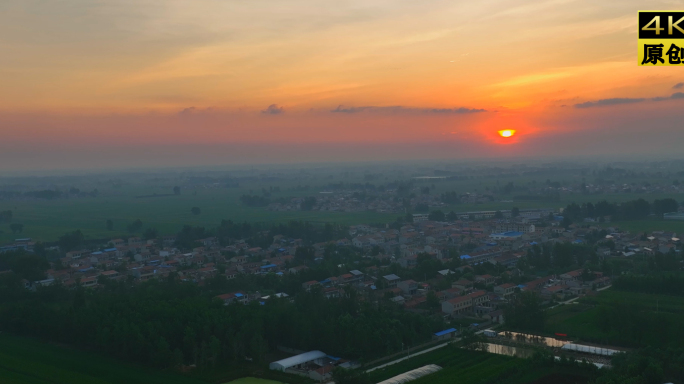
128,83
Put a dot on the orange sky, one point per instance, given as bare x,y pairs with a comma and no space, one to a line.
371,74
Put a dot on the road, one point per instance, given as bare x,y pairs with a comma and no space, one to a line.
407,357
575,298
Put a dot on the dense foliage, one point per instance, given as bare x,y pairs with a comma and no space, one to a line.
167,323
667,285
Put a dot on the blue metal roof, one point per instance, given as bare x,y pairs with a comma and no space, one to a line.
463,257
446,331
110,250
239,295
268,266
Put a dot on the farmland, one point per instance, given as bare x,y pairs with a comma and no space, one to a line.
621,318
28,361
459,366
151,200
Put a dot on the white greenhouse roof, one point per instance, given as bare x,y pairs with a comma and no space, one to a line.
296,360
412,375
589,349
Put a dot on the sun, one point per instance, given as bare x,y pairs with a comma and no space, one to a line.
507,132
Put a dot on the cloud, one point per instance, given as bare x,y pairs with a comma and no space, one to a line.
273,109
605,102
401,109
187,111
678,86
618,100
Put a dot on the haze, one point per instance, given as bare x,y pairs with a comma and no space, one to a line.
145,83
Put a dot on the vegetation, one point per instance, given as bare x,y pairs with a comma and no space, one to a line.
28,361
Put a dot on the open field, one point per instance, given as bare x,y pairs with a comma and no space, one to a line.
27,361
459,366
46,220
621,318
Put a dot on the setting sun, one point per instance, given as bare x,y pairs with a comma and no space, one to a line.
507,132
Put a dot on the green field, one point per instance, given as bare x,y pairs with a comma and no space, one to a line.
621,319
649,225
46,220
27,361
459,366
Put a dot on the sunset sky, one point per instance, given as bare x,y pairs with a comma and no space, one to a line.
122,83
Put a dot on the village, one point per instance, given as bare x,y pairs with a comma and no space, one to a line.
495,247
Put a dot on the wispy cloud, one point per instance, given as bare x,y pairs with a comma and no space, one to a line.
626,100
401,109
612,101
678,86
273,109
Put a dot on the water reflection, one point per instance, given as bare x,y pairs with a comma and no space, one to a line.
508,350
532,339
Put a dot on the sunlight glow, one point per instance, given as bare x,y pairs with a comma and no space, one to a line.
507,132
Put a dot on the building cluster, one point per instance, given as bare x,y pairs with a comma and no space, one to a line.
496,238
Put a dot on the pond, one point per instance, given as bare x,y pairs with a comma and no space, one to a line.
532,339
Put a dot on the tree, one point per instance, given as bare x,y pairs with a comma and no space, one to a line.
436,215
525,312
195,210
150,233
71,241
16,227
5,216
135,226
176,190
308,203
661,207
110,225
515,212
498,215
432,300
349,376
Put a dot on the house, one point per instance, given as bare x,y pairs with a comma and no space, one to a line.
322,374
89,281
463,284
445,334
307,285
505,290
234,297
297,269
479,298
409,287
408,261
391,280
457,305
449,294
572,275
555,292
110,274
485,279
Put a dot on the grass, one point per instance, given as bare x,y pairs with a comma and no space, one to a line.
664,314
459,366
28,361
46,220
648,225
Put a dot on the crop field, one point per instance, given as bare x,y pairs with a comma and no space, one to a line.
26,361
46,220
459,366
648,319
